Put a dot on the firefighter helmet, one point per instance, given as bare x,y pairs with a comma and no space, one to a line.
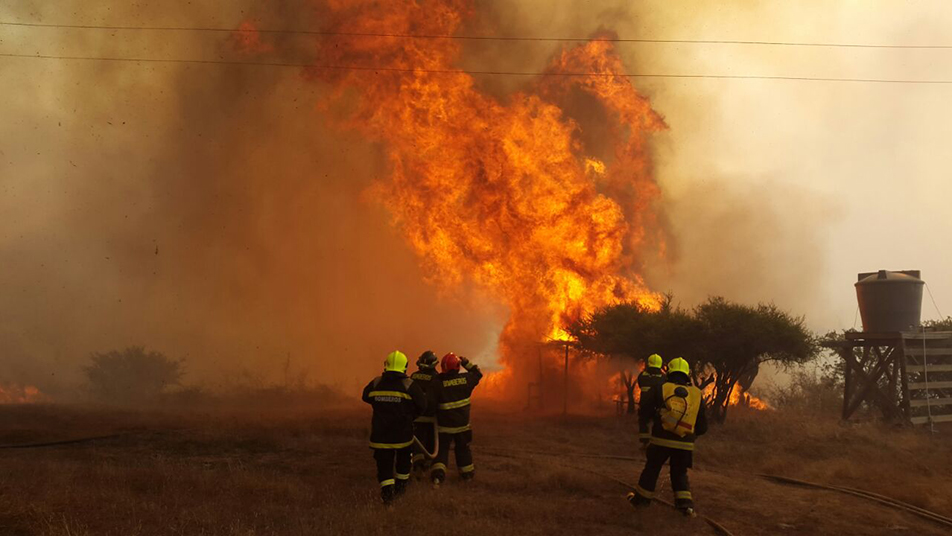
427,360
449,362
654,361
679,364
396,362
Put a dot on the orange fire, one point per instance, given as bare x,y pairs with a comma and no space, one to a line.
16,394
739,397
246,39
502,192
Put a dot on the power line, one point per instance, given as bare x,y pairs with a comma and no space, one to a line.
934,304
478,37
476,72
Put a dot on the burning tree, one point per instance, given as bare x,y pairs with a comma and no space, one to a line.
725,342
131,375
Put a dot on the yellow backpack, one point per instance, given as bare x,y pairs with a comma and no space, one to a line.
681,406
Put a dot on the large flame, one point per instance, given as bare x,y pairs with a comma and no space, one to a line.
502,193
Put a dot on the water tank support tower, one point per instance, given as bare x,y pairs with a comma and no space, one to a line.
894,364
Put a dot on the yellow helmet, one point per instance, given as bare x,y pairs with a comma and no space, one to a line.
654,361
679,364
396,362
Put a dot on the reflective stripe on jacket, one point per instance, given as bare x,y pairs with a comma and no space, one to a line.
650,377
428,380
396,401
651,408
453,399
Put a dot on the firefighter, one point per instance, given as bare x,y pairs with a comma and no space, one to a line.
452,415
424,427
396,401
650,377
676,409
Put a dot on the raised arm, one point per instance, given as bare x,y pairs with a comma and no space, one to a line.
473,369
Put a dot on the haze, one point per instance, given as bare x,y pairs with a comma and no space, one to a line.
208,211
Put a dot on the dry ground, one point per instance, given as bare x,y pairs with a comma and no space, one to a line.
305,472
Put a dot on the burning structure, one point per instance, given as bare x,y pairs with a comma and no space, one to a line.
502,193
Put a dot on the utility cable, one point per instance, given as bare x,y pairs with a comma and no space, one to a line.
473,72
934,303
516,38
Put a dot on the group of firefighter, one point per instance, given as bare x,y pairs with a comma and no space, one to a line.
416,418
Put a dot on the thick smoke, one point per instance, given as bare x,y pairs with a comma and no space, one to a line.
209,212
201,210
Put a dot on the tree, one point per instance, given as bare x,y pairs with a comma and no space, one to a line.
630,332
132,375
724,342
939,325
737,339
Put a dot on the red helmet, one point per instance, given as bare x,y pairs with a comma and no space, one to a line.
449,362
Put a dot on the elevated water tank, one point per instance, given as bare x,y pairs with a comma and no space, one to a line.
890,301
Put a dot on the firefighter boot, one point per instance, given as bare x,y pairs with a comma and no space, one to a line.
684,503
437,474
638,501
400,488
387,494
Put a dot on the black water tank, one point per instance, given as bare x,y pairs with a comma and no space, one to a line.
890,301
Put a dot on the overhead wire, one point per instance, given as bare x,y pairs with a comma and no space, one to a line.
934,304
474,71
477,37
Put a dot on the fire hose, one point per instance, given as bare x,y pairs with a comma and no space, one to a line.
61,442
720,529
875,497
436,440
863,494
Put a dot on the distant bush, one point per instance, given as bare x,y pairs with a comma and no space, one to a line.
939,325
246,397
816,388
132,375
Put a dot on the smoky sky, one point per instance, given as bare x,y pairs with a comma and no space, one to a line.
212,213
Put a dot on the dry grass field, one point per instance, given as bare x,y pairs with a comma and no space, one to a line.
304,472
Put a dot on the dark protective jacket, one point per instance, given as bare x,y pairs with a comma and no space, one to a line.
455,388
396,400
650,377
652,405
428,380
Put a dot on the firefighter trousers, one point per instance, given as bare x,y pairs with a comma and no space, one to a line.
393,471
424,431
464,456
680,461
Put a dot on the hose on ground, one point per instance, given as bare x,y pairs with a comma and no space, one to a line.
720,529
61,442
863,494
882,499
